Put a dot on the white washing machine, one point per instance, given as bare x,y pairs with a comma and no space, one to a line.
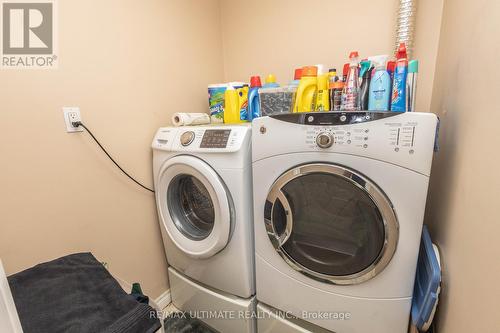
339,202
203,187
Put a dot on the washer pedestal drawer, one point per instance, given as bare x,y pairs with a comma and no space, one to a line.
224,312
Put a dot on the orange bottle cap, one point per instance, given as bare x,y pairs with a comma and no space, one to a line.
310,71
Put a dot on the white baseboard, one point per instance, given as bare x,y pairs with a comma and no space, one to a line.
163,300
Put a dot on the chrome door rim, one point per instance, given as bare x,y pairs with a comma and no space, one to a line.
220,235
391,224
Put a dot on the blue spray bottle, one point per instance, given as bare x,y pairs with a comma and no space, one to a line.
380,86
253,98
398,103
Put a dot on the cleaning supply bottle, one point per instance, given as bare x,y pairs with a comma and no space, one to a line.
253,98
322,97
296,77
270,82
231,106
336,95
380,86
243,102
332,78
350,94
398,102
305,98
412,85
332,75
391,66
364,91
345,71
365,65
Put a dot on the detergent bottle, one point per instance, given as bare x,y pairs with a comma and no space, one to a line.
398,102
350,94
305,99
270,82
253,98
232,105
322,96
243,102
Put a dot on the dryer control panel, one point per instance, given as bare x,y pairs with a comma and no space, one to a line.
201,138
405,139
399,136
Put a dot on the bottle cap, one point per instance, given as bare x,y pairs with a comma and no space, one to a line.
298,74
354,54
413,66
401,53
271,78
332,70
310,71
255,81
391,65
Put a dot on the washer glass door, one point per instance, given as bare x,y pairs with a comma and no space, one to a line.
194,206
331,223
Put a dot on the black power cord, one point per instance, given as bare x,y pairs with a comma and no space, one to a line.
80,124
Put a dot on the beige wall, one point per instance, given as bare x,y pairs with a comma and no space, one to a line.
59,194
277,36
465,184
128,65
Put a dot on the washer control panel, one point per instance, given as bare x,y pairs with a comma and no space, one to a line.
215,138
201,139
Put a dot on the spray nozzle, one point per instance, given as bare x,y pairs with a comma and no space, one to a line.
379,61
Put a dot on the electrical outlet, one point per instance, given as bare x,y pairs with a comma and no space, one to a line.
71,115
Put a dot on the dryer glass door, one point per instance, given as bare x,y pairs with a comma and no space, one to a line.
194,206
331,223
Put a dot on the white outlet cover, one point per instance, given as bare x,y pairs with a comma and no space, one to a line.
72,114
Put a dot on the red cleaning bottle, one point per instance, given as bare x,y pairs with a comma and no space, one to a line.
350,93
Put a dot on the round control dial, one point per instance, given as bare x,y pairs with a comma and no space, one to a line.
187,138
324,140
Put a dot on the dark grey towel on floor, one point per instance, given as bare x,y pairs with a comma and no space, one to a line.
76,294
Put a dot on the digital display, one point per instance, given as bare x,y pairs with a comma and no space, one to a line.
215,139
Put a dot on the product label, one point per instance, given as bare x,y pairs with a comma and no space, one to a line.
320,106
337,99
379,94
399,90
350,100
216,102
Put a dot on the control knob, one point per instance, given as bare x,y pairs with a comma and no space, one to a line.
324,140
187,138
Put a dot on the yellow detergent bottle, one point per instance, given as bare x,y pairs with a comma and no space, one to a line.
233,104
322,96
305,100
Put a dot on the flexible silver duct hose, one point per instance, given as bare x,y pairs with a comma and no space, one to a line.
405,28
